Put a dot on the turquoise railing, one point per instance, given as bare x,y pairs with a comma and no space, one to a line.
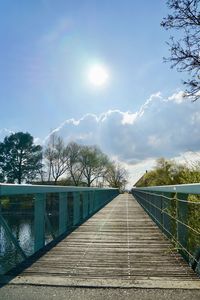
176,211
32,216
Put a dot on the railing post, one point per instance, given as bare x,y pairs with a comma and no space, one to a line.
104,198
62,212
99,198
95,200
39,221
91,202
76,208
85,204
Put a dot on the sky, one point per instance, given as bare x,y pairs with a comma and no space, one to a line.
46,51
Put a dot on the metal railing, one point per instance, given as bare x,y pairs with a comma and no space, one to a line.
32,216
176,211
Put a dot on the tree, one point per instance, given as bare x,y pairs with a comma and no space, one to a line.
190,174
20,159
169,172
93,162
116,176
75,168
56,156
185,17
166,172
2,177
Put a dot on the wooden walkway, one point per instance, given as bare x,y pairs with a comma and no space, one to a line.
119,246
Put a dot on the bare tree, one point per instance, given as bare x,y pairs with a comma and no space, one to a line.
56,156
75,168
94,163
116,176
185,51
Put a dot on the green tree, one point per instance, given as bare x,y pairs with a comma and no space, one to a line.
2,177
166,172
20,159
190,174
185,18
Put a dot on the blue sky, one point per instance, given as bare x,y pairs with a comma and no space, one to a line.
46,49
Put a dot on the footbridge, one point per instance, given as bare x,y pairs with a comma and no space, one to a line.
91,237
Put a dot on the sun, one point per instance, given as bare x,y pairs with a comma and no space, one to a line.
98,75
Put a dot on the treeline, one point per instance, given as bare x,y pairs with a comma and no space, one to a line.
21,161
169,172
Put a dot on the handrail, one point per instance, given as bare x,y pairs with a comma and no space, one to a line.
191,188
18,189
51,211
176,211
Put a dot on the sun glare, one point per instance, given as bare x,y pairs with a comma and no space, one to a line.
98,75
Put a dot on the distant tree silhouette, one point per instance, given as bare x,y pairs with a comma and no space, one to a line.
185,51
20,159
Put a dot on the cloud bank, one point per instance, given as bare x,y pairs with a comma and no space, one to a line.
163,126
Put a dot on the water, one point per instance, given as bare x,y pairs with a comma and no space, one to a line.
22,227
18,213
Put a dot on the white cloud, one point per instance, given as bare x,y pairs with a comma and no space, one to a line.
37,141
129,118
163,126
177,97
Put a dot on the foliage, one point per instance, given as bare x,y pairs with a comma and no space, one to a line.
2,177
185,17
5,203
167,172
20,159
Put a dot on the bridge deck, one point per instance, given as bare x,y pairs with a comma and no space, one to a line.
119,246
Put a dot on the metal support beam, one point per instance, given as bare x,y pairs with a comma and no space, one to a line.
85,205
39,221
62,212
76,208
12,237
91,202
